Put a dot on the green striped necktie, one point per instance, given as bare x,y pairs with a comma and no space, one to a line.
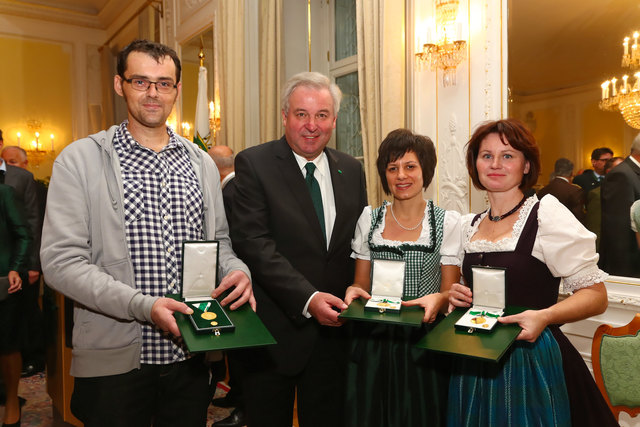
316,195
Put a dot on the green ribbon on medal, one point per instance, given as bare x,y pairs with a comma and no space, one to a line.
483,313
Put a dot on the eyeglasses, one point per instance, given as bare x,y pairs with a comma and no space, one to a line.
142,84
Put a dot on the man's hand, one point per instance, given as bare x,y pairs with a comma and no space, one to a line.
34,275
321,308
241,294
162,314
15,282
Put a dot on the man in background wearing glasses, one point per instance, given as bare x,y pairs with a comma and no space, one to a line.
121,202
592,178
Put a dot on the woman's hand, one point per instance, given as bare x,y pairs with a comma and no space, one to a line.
459,296
431,304
354,292
15,282
532,323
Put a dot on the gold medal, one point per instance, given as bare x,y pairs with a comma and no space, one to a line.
478,320
384,304
214,323
207,315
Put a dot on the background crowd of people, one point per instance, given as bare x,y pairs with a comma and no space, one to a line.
601,199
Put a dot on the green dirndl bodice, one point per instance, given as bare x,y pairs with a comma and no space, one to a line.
389,381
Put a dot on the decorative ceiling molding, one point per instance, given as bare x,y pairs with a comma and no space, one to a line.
70,12
50,13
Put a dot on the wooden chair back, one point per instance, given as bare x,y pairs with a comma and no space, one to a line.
615,354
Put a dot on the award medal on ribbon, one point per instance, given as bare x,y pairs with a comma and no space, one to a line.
384,303
206,315
477,320
480,319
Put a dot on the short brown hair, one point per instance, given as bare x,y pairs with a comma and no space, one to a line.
513,132
155,50
399,142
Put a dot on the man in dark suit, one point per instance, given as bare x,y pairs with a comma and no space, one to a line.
592,178
223,158
619,252
294,214
570,195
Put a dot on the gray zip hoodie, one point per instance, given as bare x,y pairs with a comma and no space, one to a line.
84,251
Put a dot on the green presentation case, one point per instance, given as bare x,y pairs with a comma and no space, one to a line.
387,285
409,316
199,277
249,331
221,322
490,346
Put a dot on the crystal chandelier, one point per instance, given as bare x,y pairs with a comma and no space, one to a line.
625,97
449,50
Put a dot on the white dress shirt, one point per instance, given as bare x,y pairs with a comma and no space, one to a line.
323,176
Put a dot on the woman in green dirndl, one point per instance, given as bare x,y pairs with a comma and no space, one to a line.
389,382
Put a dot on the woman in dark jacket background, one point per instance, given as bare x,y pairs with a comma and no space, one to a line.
14,246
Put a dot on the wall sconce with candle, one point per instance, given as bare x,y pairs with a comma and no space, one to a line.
172,120
214,120
36,146
448,49
186,130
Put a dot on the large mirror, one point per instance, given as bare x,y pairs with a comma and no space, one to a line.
560,52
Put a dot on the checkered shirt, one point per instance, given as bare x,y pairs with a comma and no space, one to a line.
162,208
422,268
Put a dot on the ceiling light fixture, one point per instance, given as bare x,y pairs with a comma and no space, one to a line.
625,97
448,50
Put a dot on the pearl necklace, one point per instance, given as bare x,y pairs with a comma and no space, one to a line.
503,216
402,226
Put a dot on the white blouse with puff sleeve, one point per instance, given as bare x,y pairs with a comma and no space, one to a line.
566,247
451,240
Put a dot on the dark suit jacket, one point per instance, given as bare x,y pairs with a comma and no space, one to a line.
27,196
275,231
568,194
587,180
228,194
14,234
619,252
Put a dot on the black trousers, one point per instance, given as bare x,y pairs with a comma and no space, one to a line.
269,395
33,346
162,395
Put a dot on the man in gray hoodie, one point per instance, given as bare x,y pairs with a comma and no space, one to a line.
120,204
